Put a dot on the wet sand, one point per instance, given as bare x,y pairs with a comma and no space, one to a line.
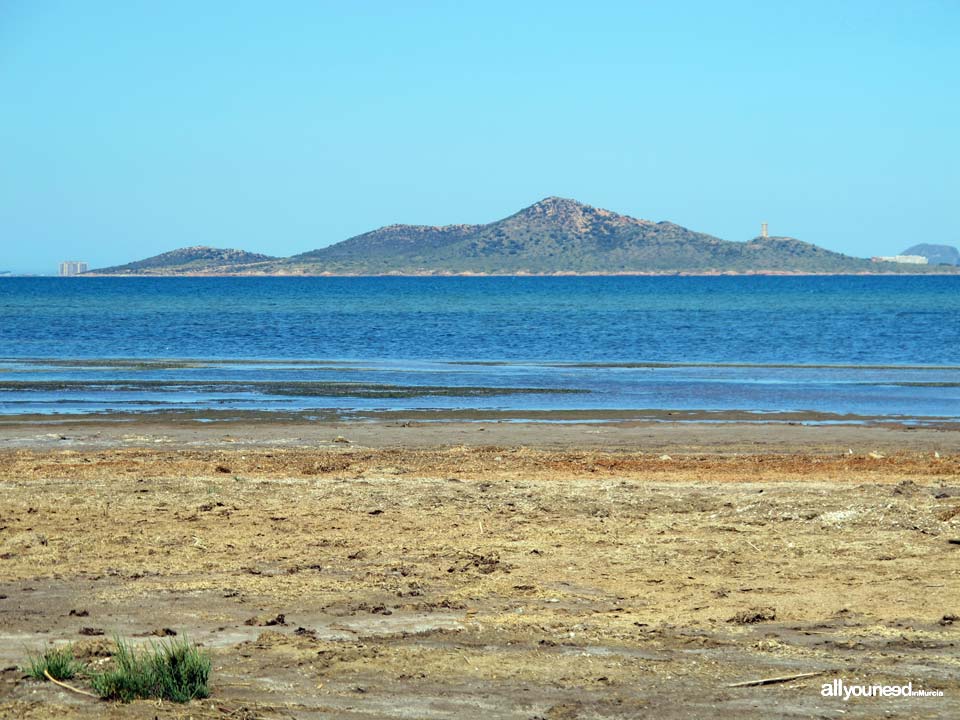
403,569
680,432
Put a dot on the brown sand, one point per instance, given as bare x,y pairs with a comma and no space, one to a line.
496,570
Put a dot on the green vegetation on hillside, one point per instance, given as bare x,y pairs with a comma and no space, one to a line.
198,259
555,235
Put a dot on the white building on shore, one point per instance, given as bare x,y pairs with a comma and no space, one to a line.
905,259
72,267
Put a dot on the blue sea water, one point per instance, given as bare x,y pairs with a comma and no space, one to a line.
875,347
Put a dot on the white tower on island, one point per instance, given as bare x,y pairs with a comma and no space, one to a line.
763,230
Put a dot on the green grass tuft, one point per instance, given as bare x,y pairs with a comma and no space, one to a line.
174,670
59,662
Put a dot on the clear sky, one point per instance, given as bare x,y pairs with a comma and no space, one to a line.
128,128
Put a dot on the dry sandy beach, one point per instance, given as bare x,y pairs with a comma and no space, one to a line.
497,570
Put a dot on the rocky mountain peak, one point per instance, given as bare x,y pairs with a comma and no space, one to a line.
571,215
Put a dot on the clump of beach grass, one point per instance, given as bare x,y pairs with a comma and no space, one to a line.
171,670
57,663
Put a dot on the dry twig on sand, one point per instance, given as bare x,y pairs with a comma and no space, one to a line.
62,684
774,680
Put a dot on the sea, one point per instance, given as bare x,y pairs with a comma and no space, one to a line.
817,349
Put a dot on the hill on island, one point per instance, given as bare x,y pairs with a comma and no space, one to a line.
557,235
199,259
935,254
553,236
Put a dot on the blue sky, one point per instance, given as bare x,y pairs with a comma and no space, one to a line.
128,128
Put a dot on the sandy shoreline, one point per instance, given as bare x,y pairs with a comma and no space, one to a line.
183,430
912,271
496,570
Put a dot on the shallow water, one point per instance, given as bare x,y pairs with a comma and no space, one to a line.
869,346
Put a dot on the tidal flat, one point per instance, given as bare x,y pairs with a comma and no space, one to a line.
500,570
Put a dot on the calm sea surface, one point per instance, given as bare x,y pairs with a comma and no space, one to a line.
885,347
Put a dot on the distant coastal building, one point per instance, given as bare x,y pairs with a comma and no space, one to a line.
905,259
763,230
72,267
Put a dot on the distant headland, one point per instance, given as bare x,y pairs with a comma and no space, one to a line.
555,236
